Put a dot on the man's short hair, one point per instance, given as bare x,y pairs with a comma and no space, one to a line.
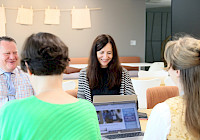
6,38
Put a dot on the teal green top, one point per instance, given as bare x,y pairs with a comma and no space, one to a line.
33,119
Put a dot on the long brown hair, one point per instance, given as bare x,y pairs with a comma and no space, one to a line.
184,55
94,68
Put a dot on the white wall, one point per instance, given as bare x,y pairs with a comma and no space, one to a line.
122,19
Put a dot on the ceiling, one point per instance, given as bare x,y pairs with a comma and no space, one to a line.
158,3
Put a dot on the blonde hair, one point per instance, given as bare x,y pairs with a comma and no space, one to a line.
184,55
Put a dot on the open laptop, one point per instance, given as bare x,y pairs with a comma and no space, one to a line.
119,120
114,98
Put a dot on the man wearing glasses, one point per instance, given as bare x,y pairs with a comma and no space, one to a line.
14,84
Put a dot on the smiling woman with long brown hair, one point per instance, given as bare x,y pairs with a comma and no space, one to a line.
104,74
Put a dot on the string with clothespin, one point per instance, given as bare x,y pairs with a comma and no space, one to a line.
86,7
62,10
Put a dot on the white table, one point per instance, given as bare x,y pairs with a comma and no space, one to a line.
79,66
140,65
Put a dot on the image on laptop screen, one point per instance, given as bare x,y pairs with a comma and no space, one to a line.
117,116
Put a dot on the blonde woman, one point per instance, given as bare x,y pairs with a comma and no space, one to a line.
178,117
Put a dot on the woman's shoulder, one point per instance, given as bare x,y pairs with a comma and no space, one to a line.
175,100
17,104
124,70
161,107
84,70
160,112
175,103
158,121
83,101
86,103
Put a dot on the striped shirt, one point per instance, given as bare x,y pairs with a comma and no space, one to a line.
21,83
84,91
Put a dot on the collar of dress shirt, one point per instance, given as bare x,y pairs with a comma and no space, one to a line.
14,71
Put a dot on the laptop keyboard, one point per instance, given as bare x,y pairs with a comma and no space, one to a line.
125,135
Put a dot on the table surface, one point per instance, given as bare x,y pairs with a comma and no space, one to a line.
80,66
137,78
136,64
149,78
143,122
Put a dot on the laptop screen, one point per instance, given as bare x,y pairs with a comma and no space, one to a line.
117,116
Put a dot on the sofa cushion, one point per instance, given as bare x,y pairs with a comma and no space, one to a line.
129,59
69,70
129,68
79,60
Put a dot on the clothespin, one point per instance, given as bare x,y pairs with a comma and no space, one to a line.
48,7
1,5
85,6
73,7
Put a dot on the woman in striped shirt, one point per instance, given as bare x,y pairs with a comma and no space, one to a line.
104,74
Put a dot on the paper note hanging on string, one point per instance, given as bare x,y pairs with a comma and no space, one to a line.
52,16
81,18
25,16
2,21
